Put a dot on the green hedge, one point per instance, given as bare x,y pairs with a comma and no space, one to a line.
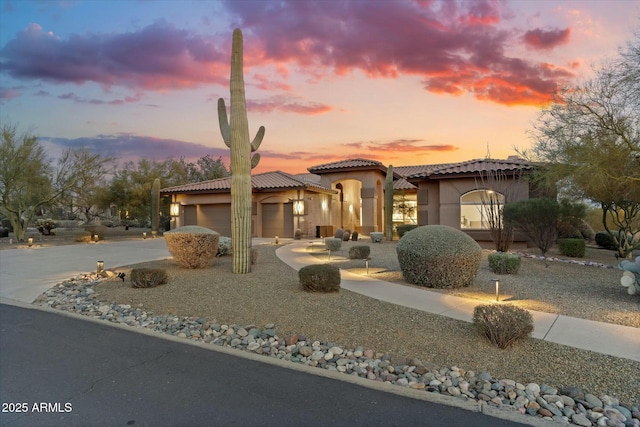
572,247
504,263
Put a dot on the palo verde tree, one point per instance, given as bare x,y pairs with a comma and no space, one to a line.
236,137
29,181
589,139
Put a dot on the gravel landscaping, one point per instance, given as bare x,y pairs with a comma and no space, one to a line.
266,311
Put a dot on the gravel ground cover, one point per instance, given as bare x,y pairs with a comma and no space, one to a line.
271,294
562,286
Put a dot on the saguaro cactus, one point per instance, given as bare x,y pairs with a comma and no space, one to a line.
388,204
236,137
155,207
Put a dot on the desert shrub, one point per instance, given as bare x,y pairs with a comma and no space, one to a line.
438,256
46,226
297,235
354,236
333,244
100,230
572,247
82,236
376,236
346,236
339,233
192,246
253,253
502,324
504,263
359,252
148,277
587,231
4,232
605,240
320,278
224,246
536,218
107,223
405,228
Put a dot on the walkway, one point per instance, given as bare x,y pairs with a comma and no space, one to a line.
605,338
27,273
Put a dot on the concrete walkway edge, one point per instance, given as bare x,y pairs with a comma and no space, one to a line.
606,338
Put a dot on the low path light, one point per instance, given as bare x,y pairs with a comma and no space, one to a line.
497,281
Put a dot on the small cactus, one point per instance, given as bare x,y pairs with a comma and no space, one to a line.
155,207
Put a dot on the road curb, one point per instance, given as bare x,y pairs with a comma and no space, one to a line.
481,407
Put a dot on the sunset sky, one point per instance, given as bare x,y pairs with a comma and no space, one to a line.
404,82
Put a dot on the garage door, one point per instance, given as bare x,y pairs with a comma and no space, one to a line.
216,217
277,220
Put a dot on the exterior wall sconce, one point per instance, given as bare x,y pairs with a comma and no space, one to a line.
298,207
99,267
350,208
30,241
324,205
174,209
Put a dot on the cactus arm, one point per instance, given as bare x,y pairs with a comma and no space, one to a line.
225,130
254,160
258,139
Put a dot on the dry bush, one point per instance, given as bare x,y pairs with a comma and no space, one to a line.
192,246
320,278
148,277
502,324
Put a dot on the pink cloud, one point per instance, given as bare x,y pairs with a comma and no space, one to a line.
286,104
454,46
9,93
159,56
545,40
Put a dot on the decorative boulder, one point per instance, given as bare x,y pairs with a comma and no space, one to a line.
631,276
192,246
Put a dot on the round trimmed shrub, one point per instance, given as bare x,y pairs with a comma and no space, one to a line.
192,246
333,244
376,236
405,228
339,233
438,256
574,248
320,278
504,263
359,252
354,236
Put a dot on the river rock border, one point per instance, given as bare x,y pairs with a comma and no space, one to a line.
568,405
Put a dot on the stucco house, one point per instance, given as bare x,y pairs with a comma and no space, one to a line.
350,194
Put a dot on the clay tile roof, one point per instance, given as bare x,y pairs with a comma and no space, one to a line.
402,184
346,164
469,167
277,180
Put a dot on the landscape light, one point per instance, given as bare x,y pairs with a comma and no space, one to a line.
497,289
99,267
30,241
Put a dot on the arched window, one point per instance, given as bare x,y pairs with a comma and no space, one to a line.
479,208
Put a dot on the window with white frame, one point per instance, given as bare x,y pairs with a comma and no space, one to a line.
478,207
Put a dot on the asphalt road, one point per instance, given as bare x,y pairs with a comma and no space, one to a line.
63,371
